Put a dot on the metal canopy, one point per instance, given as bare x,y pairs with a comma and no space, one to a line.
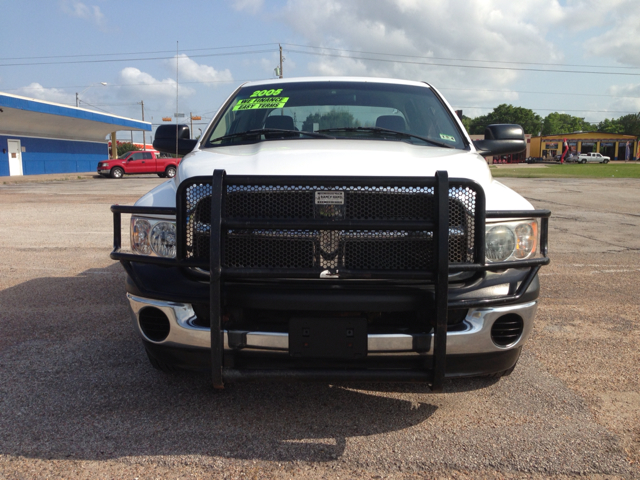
29,117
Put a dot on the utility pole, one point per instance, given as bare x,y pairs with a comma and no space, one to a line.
144,134
77,100
177,83
191,120
281,59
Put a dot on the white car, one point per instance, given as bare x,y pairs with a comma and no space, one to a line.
334,229
592,157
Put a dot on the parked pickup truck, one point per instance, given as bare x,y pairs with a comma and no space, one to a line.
139,162
592,157
334,229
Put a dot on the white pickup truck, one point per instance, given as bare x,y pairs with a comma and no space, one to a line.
334,229
592,157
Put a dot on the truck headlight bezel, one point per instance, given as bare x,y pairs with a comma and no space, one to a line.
153,237
511,241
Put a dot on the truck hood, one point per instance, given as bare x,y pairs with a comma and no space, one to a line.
336,157
311,157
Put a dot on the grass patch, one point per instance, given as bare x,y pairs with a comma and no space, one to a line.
571,171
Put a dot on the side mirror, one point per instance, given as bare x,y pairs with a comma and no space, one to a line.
168,137
501,139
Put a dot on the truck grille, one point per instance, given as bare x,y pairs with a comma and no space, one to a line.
407,248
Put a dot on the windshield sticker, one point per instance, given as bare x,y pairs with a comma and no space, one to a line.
264,102
266,93
448,138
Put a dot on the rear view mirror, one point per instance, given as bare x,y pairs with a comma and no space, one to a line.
501,139
169,138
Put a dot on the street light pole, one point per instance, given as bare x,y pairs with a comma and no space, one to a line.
104,84
144,134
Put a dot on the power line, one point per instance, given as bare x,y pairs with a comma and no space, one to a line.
160,84
91,105
302,46
133,53
157,84
463,66
139,59
459,59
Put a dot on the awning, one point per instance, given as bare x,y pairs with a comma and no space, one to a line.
23,116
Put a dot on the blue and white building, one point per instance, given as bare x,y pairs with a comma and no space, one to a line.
38,137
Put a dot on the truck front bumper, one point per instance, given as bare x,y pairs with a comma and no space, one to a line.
471,349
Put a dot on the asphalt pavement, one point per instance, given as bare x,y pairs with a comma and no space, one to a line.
78,398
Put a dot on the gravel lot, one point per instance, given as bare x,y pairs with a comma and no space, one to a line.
78,398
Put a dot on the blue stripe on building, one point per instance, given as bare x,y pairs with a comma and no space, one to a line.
46,155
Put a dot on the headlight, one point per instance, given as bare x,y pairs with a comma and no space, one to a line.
153,237
163,239
104,164
511,240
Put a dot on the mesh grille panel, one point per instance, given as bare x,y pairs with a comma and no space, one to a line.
198,218
331,249
389,250
269,249
283,202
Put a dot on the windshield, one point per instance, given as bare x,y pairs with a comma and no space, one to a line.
353,110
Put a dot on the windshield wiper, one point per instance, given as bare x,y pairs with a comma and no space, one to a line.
386,130
262,131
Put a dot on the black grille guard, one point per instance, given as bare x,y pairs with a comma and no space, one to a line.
444,192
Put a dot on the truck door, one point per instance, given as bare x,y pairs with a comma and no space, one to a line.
136,163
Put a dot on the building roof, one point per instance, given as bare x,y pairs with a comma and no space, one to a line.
589,135
30,117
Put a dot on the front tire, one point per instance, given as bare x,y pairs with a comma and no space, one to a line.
170,172
117,172
583,161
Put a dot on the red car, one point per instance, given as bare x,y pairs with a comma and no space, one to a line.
139,162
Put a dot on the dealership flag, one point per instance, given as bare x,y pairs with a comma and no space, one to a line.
565,149
627,153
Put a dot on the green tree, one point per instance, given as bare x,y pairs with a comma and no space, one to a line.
556,123
466,121
530,121
610,126
630,124
332,119
126,147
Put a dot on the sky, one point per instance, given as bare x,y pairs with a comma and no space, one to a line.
580,57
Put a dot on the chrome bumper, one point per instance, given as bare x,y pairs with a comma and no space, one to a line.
475,337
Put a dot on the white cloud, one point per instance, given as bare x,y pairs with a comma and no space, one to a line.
478,30
189,70
578,15
136,85
251,6
621,42
35,90
81,10
628,99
